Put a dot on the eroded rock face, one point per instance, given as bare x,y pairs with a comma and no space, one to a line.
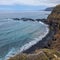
54,22
27,19
54,17
55,14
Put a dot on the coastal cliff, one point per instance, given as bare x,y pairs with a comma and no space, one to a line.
52,49
54,22
49,9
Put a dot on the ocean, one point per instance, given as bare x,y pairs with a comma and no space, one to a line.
17,36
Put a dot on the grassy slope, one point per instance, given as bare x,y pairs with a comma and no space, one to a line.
43,54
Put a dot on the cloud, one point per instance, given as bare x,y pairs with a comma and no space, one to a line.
30,2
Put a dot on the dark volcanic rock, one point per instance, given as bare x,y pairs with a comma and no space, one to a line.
15,18
41,20
27,19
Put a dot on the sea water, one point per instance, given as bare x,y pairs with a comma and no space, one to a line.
17,36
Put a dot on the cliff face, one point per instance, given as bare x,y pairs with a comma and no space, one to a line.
54,21
55,14
54,17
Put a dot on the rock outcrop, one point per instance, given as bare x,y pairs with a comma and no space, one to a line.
54,17
54,22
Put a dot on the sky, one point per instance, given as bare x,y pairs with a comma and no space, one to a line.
21,5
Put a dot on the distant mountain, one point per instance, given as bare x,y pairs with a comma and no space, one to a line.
49,9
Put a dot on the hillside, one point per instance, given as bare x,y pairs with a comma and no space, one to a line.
49,9
54,21
42,54
55,14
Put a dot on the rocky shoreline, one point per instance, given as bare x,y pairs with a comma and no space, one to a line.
49,46
41,44
28,19
44,43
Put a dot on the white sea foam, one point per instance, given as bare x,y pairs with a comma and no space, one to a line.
13,51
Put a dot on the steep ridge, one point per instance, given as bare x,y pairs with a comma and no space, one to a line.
54,22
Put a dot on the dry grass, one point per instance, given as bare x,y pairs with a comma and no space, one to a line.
43,54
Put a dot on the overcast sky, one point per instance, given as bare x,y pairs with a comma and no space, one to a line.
27,4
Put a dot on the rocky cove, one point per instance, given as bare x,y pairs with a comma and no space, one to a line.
49,47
